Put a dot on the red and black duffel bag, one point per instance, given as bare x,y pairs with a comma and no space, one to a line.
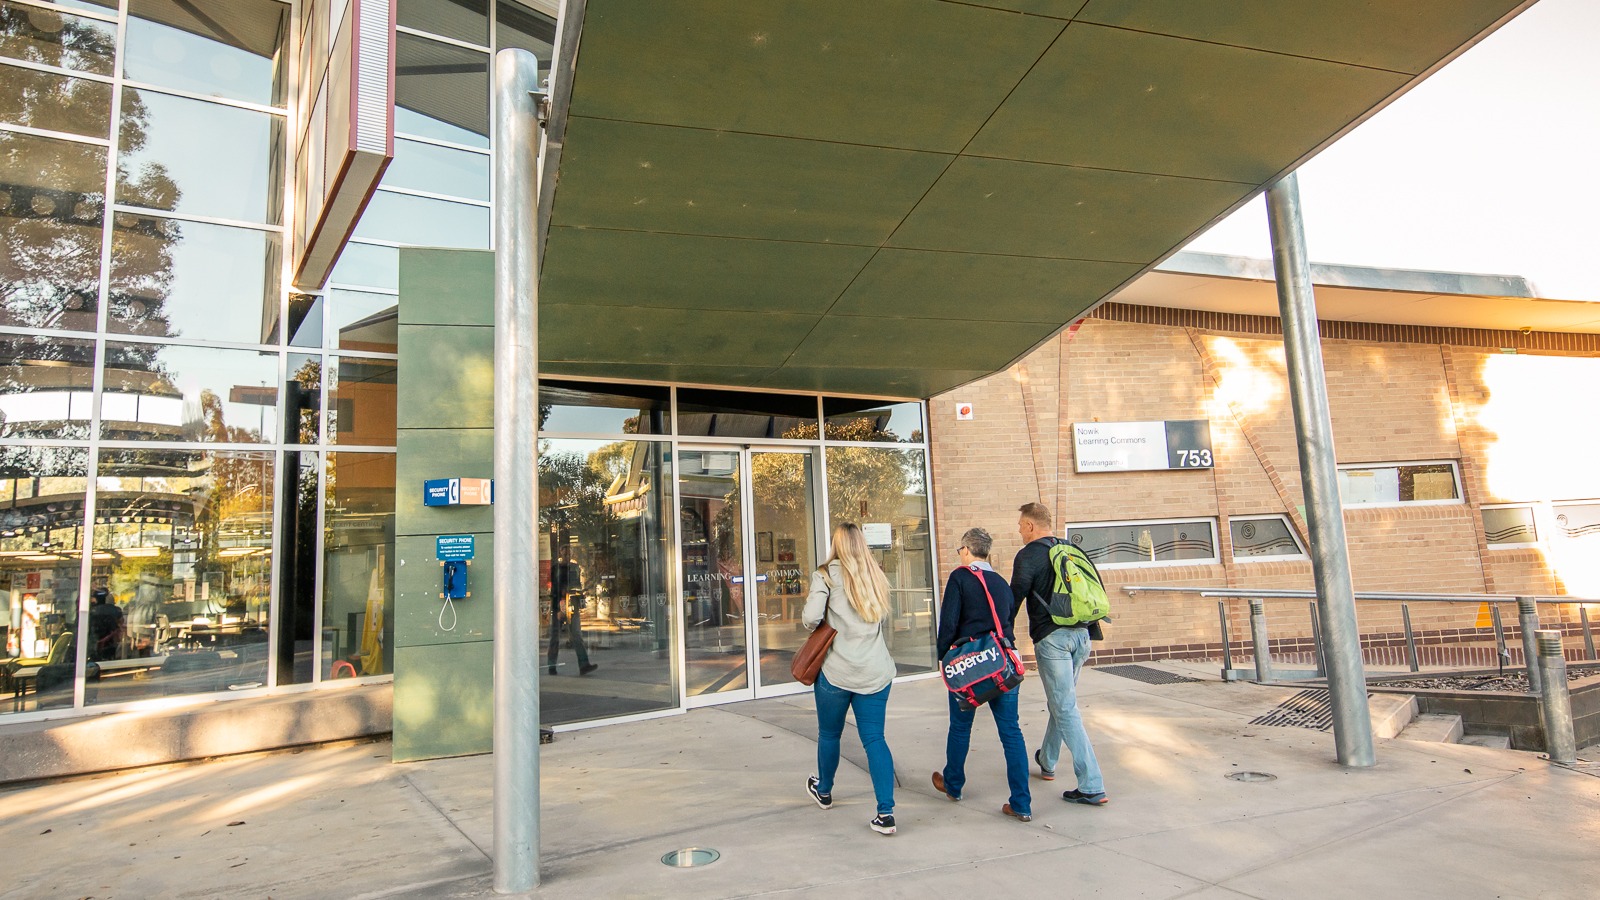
981,668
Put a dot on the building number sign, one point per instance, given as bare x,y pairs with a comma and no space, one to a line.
1142,446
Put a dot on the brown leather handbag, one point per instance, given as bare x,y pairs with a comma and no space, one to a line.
807,663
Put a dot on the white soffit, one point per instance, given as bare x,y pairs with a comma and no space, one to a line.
1244,286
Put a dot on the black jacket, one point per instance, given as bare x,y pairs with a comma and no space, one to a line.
965,612
1033,580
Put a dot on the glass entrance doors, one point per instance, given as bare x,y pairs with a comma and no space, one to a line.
749,529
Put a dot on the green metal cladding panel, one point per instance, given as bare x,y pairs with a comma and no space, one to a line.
443,700
443,680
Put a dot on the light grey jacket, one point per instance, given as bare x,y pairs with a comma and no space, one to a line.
859,660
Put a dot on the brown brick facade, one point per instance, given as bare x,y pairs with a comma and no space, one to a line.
1396,394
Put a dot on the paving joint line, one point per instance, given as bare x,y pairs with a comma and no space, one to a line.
406,776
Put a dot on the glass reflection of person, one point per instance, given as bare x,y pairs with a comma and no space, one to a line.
105,627
566,606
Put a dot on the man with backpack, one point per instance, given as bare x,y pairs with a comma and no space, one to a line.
1048,571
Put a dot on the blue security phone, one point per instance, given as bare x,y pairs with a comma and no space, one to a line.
455,579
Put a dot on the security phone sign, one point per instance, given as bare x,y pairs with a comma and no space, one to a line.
458,492
454,547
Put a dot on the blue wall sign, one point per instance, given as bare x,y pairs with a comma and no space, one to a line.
458,492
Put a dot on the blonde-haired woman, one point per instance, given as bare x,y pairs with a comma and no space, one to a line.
852,592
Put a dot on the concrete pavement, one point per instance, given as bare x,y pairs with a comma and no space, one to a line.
1429,821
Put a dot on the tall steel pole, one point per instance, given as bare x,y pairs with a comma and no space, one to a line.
1319,477
518,105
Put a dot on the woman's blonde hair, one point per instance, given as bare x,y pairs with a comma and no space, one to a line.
864,582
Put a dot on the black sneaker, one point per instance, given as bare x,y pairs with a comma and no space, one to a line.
1046,774
1077,796
883,823
823,800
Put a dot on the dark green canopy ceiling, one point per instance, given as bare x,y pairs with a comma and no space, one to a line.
898,196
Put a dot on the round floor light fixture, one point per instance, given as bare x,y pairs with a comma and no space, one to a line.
1251,776
690,857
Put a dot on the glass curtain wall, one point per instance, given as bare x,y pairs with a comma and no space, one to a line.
142,168
192,460
606,533
885,491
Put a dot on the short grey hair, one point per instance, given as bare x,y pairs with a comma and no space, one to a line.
978,542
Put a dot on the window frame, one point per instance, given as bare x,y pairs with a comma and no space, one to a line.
1540,526
1300,554
1455,473
1210,521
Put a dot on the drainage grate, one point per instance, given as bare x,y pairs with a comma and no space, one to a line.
1146,674
1307,709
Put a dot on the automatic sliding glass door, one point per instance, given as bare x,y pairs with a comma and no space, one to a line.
748,519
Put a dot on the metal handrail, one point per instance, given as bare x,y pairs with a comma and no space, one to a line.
1301,594
1527,608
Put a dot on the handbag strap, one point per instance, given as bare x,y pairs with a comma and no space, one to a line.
828,595
978,574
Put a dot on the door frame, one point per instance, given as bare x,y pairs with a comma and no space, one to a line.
753,688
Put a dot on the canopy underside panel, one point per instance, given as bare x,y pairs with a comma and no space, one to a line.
897,197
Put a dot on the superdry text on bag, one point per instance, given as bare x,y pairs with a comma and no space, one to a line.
1079,596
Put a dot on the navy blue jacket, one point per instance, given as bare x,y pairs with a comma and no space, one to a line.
965,612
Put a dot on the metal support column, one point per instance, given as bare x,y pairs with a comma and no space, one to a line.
1330,559
518,105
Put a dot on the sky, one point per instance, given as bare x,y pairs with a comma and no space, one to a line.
1488,166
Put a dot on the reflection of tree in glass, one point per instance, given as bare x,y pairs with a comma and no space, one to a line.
572,494
52,192
865,484
305,397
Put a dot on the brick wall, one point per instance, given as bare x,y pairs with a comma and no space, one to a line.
1395,394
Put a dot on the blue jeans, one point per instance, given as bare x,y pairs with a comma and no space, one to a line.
1060,657
1004,708
832,704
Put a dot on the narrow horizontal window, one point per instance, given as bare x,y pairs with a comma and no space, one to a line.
1263,537
1147,543
1387,484
1509,526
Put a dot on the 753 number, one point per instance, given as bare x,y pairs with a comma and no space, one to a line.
1194,459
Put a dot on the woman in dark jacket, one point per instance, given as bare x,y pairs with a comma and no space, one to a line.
965,614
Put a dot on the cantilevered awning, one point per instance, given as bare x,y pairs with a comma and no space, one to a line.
898,196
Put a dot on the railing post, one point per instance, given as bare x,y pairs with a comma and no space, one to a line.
1227,651
1258,638
1500,652
1316,642
1528,618
1411,639
1588,636
1555,701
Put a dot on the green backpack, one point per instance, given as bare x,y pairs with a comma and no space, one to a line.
1079,596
